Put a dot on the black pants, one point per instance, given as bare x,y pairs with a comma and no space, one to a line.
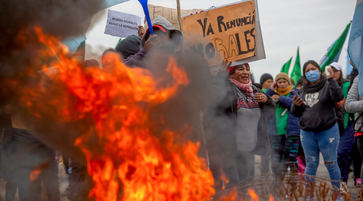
356,158
360,149
279,155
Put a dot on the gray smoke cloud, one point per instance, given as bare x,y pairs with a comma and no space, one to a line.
59,18
23,151
199,105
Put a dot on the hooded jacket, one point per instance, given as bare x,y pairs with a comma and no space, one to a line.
174,35
318,111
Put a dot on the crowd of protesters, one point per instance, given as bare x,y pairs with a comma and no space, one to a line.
320,114
288,124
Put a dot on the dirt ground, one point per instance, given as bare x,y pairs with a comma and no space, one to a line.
322,172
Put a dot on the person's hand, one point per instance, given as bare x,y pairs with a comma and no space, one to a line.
329,72
141,31
341,103
274,86
152,41
226,64
275,97
298,101
260,97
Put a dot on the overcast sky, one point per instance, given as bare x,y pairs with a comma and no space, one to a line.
311,24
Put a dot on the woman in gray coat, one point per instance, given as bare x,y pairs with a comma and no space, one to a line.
354,104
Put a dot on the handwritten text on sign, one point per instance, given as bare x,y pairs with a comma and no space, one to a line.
121,24
229,31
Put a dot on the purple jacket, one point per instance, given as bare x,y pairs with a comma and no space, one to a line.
136,59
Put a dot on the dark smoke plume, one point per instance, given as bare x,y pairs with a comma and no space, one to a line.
69,18
59,18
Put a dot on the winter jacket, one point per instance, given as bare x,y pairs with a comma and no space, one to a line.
174,34
293,128
266,128
318,111
243,108
226,115
136,59
354,104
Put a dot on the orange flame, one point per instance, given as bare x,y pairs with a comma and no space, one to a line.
253,195
271,198
34,174
231,196
225,181
135,163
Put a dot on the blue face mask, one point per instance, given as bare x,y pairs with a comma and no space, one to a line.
313,75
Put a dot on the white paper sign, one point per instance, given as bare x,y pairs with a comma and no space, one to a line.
122,24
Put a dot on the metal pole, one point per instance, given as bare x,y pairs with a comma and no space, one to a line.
179,14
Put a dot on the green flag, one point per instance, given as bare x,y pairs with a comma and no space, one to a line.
296,71
286,67
334,50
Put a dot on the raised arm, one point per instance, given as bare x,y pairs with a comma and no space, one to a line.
335,91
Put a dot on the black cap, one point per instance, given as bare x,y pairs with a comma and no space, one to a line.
129,46
265,77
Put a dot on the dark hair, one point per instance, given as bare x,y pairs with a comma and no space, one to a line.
341,79
312,62
233,69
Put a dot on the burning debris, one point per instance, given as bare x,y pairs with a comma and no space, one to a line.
292,188
128,156
20,16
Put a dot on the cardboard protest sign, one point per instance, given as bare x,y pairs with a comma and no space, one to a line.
121,24
228,32
168,13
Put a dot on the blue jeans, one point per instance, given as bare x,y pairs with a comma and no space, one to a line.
326,142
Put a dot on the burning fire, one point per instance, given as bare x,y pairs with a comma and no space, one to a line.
253,195
127,158
224,180
134,163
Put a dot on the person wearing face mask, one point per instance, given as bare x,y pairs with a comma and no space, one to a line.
244,107
285,142
318,121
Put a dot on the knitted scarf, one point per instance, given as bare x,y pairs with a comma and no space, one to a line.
308,88
245,88
285,91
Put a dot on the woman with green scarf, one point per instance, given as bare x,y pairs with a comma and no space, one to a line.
285,142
